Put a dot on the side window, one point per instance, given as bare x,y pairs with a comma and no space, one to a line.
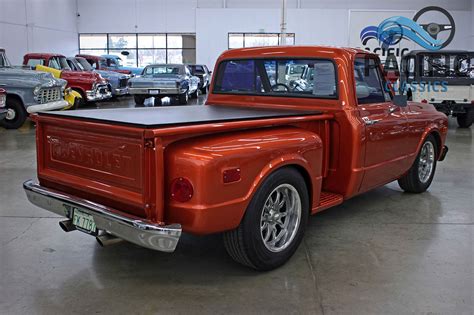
112,63
368,82
35,62
54,63
71,65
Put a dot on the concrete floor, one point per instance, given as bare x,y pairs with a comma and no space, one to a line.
384,252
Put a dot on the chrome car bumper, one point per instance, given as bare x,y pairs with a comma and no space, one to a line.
47,106
97,95
122,91
162,91
128,227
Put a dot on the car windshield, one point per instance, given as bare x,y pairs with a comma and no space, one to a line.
84,64
162,70
195,69
448,65
63,63
3,60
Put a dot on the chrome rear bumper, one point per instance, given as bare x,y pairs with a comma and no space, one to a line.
130,228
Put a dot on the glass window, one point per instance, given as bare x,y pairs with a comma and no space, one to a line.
236,40
35,62
368,81
122,41
240,40
129,60
98,41
54,63
151,40
151,56
316,78
94,52
181,41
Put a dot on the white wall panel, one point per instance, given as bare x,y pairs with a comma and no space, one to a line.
37,26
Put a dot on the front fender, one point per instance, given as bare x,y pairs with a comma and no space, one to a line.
217,206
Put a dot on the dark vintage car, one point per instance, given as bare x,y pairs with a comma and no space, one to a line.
3,102
204,75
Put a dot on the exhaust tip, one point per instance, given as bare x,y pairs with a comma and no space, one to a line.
67,225
108,239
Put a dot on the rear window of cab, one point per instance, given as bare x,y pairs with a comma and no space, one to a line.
313,78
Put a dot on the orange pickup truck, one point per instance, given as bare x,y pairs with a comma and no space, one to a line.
263,153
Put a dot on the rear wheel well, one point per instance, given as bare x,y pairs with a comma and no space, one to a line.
14,96
307,179
437,137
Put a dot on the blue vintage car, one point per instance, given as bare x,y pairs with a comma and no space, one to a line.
117,81
164,80
115,63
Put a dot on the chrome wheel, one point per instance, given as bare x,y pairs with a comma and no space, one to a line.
426,162
11,114
280,218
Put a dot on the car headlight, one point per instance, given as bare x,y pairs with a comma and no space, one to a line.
37,90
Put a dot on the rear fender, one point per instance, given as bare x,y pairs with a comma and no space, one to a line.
218,206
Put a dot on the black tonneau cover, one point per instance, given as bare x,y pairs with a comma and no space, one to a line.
154,117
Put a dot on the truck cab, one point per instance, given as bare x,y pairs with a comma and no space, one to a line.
253,163
100,63
114,63
90,85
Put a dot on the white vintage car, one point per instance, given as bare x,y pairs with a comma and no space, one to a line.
444,79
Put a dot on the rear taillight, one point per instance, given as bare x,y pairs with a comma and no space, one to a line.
181,189
424,101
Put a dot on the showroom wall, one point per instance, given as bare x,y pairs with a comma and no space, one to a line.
313,21
37,26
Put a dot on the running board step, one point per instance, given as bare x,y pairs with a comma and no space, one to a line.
328,200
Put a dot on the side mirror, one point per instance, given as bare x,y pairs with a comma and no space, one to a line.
400,100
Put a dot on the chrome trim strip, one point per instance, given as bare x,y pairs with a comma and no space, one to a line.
128,227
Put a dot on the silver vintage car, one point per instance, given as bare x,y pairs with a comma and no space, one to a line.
160,80
28,92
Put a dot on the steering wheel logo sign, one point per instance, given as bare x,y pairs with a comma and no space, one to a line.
392,30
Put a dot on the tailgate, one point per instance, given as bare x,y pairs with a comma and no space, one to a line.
98,162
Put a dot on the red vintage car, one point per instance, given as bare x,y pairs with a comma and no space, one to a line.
90,85
264,153
100,63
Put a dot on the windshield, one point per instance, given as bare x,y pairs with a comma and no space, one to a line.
59,63
162,70
3,60
448,65
195,69
83,64
115,62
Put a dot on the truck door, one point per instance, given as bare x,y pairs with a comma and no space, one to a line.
385,126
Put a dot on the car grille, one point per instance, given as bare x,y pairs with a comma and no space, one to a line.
103,89
123,83
49,95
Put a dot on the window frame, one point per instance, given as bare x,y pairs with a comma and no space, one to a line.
137,48
277,94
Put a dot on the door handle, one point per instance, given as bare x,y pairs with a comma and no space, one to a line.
370,122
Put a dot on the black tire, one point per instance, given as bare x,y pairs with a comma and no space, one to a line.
78,103
139,99
246,245
466,120
183,98
157,101
204,89
17,110
195,94
411,181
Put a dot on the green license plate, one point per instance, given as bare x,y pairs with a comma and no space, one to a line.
83,221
